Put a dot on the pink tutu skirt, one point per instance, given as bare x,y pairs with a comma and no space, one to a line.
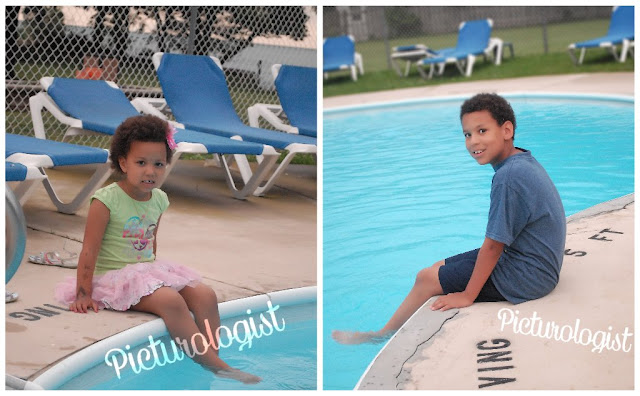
120,289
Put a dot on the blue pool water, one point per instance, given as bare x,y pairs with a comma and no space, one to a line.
401,192
284,360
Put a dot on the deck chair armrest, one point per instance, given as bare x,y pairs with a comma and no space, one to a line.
31,160
154,106
269,113
42,101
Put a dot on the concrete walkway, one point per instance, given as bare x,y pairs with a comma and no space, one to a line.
242,248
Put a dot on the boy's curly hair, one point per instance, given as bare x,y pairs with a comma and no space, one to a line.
495,104
143,128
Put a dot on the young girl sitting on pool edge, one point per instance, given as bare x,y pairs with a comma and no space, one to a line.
522,253
118,268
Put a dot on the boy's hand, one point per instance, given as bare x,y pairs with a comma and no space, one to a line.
452,300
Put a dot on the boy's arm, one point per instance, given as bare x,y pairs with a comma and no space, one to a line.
487,259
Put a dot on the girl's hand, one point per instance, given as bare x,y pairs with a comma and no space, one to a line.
82,304
452,300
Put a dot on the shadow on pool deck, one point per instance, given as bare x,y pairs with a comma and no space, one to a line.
241,248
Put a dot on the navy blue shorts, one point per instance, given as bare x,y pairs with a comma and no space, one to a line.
456,272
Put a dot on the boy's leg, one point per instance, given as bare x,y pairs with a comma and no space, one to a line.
427,285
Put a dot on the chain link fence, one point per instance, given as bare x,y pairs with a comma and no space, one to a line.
531,30
116,44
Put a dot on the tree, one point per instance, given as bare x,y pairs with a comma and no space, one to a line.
402,22
226,31
114,21
221,30
11,40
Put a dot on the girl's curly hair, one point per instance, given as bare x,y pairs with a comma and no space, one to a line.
143,128
495,104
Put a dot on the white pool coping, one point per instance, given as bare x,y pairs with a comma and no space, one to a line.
89,356
462,97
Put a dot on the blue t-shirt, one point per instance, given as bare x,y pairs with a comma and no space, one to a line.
527,215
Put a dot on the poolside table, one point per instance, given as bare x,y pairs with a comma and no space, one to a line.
409,54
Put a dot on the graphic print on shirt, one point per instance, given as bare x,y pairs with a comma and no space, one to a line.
139,231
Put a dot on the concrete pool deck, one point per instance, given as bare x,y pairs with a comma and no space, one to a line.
241,248
466,348
501,346
621,83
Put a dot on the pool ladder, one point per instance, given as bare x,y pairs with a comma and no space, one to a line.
16,234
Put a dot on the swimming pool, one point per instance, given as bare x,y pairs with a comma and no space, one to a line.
401,192
285,359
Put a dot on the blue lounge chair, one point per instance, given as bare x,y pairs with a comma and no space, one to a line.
474,39
297,90
621,31
27,158
15,172
339,53
99,107
195,89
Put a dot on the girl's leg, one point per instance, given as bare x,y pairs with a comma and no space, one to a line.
172,308
427,285
203,302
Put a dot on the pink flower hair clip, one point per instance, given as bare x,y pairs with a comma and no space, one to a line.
171,130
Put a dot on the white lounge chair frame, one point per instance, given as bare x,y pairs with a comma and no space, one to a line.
40,162
625,48
154,106
251,179
25,187
271,113
275,116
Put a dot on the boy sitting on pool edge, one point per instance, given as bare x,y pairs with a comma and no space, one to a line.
522,253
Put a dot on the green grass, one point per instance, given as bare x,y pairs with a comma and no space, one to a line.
526,41
596,60
529,59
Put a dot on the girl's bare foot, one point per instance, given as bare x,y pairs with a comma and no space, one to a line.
238,375
357,337
229,372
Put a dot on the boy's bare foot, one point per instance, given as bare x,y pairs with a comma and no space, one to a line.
357,337
238,375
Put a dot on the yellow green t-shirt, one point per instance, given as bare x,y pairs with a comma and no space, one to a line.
129,235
